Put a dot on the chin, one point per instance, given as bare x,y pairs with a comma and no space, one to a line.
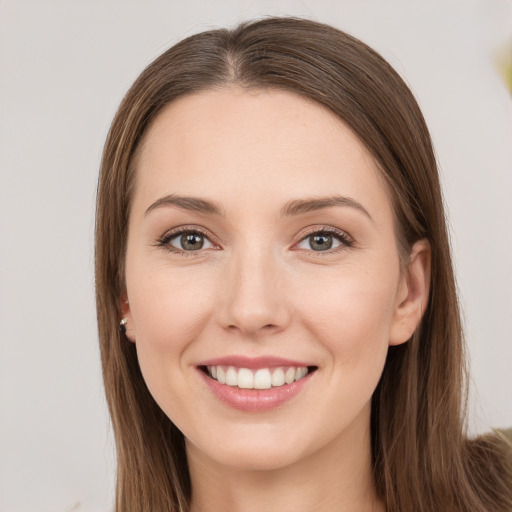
251,456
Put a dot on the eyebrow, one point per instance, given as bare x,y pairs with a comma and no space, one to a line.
291,208
188,203
301,206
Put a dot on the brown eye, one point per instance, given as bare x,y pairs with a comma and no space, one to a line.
321,242
189,241
325,240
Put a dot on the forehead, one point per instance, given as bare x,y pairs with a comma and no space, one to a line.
262,144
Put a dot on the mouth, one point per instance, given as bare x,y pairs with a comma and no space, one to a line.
257,378
257,384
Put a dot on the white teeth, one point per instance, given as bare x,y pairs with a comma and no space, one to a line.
231,377
245,379
289,376
263,378
221,375
301,372
278,377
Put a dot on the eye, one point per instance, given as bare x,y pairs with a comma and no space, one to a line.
325,240
186,240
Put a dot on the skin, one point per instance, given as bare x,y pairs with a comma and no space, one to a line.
257,288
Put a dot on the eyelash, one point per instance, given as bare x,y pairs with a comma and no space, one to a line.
165,239
344,239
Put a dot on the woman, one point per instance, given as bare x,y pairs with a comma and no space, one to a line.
271,240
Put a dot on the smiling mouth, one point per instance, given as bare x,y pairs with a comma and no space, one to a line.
262,378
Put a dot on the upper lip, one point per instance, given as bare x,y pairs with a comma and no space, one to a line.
252,362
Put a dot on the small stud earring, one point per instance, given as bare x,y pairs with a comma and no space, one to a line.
122,325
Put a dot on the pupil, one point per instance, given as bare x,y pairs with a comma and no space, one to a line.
321,242
192,242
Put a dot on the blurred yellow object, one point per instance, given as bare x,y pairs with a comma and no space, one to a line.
504,64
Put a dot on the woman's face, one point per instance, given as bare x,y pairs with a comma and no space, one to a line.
261,246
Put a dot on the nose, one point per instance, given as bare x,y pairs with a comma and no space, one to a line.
254,298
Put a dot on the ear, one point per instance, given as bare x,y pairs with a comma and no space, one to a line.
127,314
413,293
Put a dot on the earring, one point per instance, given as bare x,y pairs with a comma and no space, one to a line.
122,325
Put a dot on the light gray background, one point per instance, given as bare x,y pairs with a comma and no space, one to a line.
64,67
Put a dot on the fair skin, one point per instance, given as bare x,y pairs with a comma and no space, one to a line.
321,288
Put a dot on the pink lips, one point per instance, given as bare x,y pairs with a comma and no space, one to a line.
253,400
252,362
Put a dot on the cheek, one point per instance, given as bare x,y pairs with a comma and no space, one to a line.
169,311
351,316
168,307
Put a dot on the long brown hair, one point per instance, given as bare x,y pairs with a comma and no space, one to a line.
422,461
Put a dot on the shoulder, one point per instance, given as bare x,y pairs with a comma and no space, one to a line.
506,435
489,459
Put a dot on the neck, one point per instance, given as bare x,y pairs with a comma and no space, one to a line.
337,478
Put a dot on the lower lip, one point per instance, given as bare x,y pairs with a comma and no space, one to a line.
255,400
